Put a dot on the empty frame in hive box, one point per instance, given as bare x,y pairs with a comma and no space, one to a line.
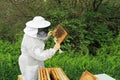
59,33
51,74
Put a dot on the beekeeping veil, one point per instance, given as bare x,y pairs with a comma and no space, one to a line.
37,28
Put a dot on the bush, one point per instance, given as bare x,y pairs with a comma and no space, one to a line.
74,65
111,48
9,60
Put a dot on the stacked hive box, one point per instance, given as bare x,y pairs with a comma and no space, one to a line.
88,76
51,74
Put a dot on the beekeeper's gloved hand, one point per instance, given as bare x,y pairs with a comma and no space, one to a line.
56,46
60,51
55,40
49,33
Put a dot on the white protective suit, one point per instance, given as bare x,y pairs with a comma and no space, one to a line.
33,53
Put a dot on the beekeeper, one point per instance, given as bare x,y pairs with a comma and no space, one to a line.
32,48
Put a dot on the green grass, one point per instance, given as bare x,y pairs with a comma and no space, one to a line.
9,60
73,63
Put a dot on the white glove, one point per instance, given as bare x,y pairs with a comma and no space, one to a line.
55,39
49,33
57,46
60,51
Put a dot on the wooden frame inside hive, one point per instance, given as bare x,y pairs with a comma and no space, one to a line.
51,74
59,33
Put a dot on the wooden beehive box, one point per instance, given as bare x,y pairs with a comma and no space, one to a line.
88,76
51,74
59,33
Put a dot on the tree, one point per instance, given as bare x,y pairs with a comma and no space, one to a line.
96,4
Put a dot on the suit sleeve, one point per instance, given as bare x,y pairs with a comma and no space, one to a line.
42,55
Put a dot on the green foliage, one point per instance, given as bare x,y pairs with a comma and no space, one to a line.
72,62
9,60
74,65
97,31
89,32
8,67
111,48
76,37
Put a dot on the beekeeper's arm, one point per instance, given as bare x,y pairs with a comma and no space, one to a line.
43,55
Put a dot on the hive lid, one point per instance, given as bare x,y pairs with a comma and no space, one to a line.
104,77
